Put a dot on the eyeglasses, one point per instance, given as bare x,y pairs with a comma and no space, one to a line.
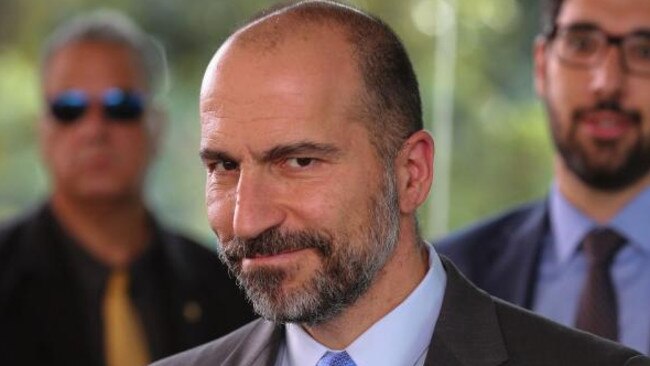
119,106
585,45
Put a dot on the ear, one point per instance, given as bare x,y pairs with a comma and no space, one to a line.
43,131
414,170
540,51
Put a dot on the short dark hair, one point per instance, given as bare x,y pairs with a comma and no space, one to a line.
108,26
391,100
549,11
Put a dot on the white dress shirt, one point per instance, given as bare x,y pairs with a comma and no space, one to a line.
400,338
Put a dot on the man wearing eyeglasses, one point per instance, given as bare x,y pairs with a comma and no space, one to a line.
90,277
582,256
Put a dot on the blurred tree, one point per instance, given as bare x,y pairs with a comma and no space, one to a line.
501,154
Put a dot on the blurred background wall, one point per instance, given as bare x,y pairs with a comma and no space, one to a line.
472,57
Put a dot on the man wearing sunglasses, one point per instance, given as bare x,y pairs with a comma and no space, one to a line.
90,277
582,256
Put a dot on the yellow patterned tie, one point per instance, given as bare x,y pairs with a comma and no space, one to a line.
124,340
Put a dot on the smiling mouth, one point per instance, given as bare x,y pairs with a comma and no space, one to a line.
283,258
270,255
607,125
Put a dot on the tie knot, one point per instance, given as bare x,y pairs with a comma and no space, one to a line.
336,359
118,282
600,245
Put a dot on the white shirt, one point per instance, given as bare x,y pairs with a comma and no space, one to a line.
400,338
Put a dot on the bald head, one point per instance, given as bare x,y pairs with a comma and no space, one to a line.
388,99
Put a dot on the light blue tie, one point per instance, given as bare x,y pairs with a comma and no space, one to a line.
336,359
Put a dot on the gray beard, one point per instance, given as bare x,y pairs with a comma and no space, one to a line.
348,270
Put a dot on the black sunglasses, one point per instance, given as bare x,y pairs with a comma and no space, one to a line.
119,106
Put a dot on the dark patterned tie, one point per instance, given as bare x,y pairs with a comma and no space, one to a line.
336,359
597,309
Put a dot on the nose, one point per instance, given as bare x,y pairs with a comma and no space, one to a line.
609,76
256,209
93,125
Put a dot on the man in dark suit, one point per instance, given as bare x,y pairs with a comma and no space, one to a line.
90,277
582,256
316,162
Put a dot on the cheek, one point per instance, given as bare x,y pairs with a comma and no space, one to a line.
58,152
220,207
567,92
134,147
561,89
638,95
338,204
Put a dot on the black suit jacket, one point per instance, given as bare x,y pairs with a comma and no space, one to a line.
41,306
473,329
501,255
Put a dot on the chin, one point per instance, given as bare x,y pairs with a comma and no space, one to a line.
103,193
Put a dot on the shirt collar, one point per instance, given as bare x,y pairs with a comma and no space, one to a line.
406,331
569,225
91,272
631,221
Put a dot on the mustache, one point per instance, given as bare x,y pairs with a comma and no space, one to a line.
273,241
609,106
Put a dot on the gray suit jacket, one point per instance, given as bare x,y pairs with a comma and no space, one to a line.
473,329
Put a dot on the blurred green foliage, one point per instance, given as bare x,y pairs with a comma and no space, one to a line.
501,151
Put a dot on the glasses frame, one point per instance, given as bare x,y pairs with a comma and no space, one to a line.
610,40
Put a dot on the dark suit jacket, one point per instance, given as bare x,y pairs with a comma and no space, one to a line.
473,329
501,255
41,306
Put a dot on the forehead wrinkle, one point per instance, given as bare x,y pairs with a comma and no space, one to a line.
220,103
218,113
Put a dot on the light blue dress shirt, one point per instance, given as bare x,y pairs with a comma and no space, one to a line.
563,267
400,338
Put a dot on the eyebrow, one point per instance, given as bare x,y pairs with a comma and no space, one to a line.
278,152
580,26
643,32
207,154
300,148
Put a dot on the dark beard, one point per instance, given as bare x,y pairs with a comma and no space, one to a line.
348,268
635,165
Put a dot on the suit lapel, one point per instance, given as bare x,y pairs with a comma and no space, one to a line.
467,332
259,347
180,289
54,295
514,273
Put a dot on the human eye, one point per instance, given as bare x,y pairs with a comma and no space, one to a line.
638,50
222,166
300,162
581,43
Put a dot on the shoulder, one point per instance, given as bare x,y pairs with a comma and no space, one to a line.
13,235
542,342
12,231
489,237
186,245
223,350
500,225
189,256
194,274
197,266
